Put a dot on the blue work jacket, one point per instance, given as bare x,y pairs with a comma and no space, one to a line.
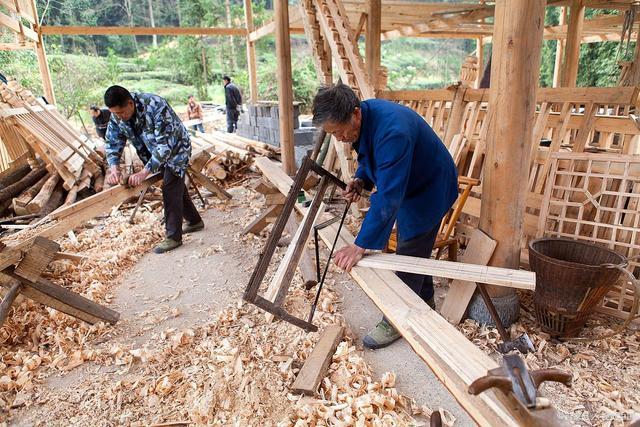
155,131
415,176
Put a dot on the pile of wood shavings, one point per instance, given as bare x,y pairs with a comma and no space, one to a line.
605,372
36,340
235,370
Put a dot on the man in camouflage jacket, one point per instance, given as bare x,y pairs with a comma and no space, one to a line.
149,123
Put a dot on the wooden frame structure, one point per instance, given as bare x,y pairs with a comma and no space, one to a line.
596,198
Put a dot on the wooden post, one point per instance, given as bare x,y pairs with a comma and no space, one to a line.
572,48
285,86
327,49
43,64
251,53
560,45
634,79
480,54
517,42
372,37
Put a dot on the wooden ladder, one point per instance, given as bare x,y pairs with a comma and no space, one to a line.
321,56
334,23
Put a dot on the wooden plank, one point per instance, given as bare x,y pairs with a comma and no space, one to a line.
479,252
77,30
55,296
316,365
37,258
461,271
264,219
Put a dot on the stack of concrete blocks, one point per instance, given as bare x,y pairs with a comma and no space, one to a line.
261,122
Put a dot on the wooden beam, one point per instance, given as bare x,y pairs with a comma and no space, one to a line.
560,45
517,44
43,63
511,278
572,49
285,86
270,27
71,30
480,56
55,296
316,365
372,39
251,53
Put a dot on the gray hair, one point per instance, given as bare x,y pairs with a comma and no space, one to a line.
334,104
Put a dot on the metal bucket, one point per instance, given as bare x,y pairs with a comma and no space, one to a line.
572,278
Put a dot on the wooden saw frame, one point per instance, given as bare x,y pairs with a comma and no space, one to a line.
272,302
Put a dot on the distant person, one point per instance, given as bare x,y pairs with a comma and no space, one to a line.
100,117
162,143
233,101
194,110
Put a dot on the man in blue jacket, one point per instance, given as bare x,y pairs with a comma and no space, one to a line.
413,172
162,143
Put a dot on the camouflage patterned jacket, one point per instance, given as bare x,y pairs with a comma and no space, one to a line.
155,132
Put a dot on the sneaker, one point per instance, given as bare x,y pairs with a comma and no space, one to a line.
192,228
381,336
167,245
431,302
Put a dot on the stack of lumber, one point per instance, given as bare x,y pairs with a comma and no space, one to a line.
28,122
232,154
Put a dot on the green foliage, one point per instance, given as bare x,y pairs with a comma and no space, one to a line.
113,69
23,66
76,81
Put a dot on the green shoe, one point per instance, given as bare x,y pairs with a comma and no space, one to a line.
192,228
167,245
381,336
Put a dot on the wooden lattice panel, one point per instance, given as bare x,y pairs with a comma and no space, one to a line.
596,198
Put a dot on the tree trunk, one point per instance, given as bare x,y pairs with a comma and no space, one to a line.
55,201
14,176
26,182
153,23
44,195
20,203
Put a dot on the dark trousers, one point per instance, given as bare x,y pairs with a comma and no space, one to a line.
232,119
177,205
421,247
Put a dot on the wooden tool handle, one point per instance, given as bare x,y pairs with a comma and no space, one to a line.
555,375
490,381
